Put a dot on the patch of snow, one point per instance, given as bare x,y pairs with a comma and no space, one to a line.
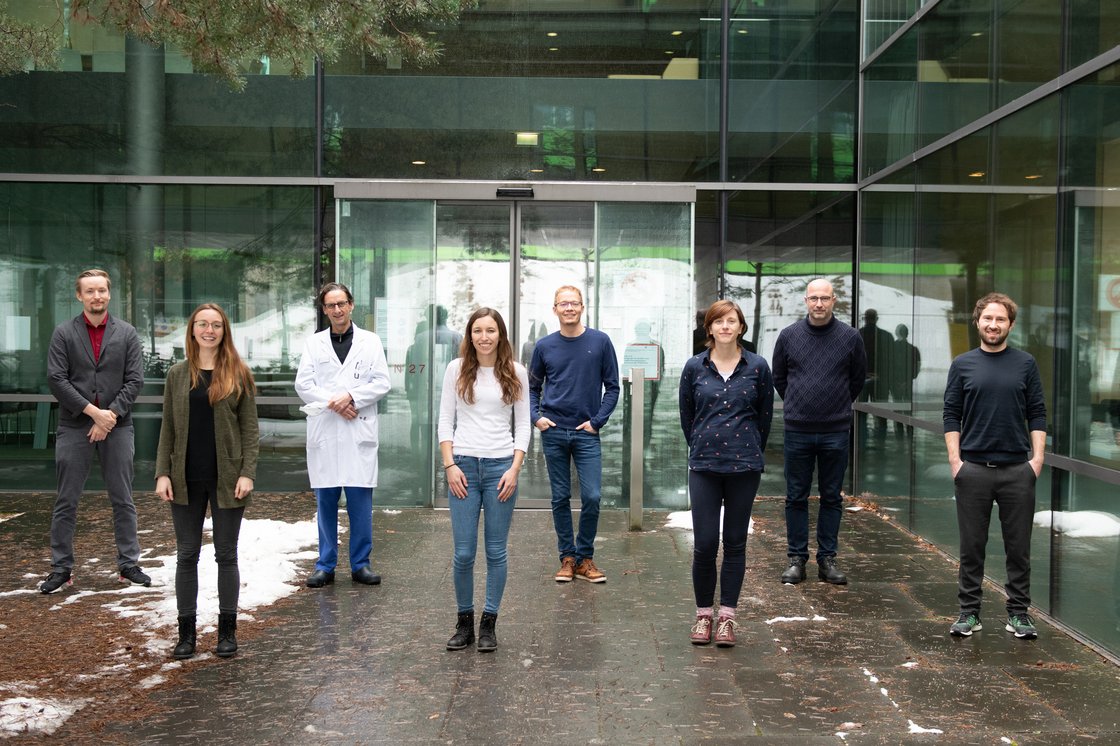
915,728
1079,523
25,715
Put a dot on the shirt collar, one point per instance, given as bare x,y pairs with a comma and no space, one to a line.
92,325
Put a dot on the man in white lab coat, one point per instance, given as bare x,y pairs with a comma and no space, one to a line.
342,375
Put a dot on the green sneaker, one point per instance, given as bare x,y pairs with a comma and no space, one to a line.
966,625
1022,625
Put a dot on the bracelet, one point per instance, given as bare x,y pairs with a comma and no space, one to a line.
448,466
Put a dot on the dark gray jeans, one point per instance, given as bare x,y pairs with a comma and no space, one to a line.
188,520
1011,487
73,456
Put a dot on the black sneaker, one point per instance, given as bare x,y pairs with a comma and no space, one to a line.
135,575
1022,625
55,580
968,623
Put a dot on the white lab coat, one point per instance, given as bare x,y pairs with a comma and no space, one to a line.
341,452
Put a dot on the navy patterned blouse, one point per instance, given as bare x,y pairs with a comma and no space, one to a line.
726,423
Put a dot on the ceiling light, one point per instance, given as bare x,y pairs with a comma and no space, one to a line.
554,49
1033,176
599,170
668,51
977,33
677,33
977,174
419,163
742,31
536,170
526,138
552,34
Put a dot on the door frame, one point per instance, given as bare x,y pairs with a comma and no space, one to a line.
513,194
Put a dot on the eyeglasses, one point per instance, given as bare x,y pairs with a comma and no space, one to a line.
215,325
566,304
814,299
333,306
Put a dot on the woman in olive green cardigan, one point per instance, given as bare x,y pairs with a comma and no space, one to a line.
207,456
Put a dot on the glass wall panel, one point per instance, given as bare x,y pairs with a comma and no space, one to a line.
1085,561
881,18
645,259
1093,29
890,105
954,67
385,255
1027,50
777,243
792,97
167,249
605,90
120,107
1092,155
886,303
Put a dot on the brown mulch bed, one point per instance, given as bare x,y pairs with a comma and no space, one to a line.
84,650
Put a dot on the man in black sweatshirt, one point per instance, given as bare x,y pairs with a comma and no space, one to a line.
819,367
995,432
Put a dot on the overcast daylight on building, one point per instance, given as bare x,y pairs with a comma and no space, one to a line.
658,154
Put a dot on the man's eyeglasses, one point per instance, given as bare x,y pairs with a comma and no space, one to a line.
215,325
814,299
333,306
566,304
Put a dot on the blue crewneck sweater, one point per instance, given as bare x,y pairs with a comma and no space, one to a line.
819,371
573,380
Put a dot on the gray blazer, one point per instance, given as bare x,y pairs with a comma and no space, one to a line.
114,381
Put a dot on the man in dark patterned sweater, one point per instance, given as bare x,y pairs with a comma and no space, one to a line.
819,368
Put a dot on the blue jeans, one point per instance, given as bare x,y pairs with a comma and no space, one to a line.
561,447
359,506
710,491
828,452
482,476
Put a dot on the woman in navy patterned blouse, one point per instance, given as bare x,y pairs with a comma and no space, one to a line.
726,402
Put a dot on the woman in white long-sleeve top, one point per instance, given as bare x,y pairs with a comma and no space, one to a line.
482,456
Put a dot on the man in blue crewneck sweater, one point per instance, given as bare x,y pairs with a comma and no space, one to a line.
995,433
819,368
573,388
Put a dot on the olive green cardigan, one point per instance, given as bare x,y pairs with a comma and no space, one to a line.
235,432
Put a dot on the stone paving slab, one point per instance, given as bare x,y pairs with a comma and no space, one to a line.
579,663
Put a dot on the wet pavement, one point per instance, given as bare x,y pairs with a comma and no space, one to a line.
871,662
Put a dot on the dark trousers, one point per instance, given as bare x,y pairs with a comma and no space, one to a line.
828,454
73,460
188,520
1011,487
734,493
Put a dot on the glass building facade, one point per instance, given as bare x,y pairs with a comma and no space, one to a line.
658,154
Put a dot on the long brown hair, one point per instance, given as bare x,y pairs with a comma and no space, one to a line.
503,366
231,376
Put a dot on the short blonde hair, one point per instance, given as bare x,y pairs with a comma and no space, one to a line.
564,288
92,273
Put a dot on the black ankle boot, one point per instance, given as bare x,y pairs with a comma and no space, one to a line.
464,631
487,638
185,647
227,637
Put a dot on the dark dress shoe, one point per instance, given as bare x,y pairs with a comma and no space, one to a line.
829,572
365,576
319,578
795,573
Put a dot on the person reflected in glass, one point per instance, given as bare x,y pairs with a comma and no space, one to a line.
906,364
878,344
207,457
482,457
434,346
726,406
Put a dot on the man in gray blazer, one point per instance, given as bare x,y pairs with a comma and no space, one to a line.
95,370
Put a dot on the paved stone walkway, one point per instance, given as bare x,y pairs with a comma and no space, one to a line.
871,662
